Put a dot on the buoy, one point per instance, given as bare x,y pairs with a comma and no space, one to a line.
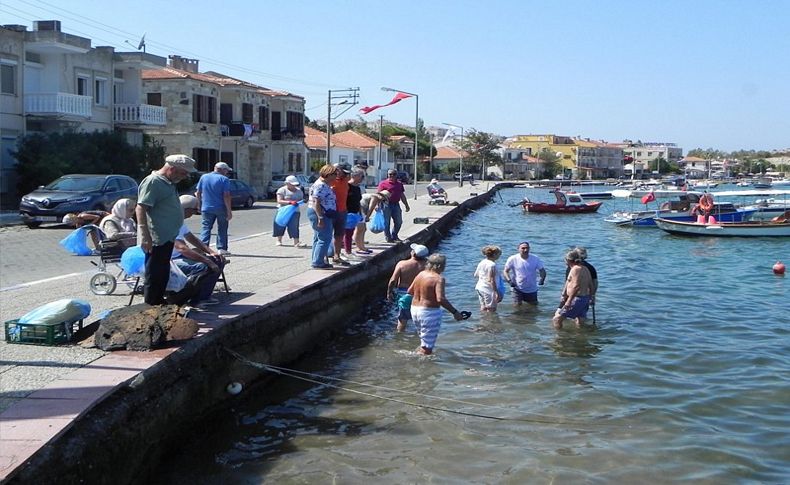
234,388
779,268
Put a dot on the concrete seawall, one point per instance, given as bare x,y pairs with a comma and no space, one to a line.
133,426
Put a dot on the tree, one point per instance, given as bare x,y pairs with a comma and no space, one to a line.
43,157
551,163
481,150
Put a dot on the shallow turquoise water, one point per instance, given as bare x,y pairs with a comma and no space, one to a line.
685,378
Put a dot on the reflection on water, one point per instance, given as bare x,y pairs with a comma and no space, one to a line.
685,377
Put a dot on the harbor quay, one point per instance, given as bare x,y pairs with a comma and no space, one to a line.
78,414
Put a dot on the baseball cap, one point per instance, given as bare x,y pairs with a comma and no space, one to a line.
223,166
181,161
291,179
420,251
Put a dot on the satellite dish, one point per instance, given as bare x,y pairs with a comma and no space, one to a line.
141,45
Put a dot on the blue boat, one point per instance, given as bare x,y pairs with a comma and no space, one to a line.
723,212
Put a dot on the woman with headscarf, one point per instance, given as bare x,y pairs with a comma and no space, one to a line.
119,225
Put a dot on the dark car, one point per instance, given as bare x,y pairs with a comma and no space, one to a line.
404,177
75,193
241,194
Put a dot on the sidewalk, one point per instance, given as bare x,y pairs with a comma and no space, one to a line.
44,389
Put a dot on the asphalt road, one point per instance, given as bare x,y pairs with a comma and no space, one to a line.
31,255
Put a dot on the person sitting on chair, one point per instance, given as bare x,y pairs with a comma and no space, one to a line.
437,192
119,225
198,259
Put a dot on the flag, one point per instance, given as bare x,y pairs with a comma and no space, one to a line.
648,198
398,98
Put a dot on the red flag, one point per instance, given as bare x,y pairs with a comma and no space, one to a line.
398,97
648,198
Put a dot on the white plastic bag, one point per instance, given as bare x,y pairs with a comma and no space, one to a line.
177,279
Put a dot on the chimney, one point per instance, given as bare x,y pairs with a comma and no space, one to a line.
46,25
184,64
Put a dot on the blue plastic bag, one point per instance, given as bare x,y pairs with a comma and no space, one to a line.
77,241
352,219
377,223
500,284
133,261
67,310
285,212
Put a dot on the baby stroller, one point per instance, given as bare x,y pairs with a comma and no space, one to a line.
104,282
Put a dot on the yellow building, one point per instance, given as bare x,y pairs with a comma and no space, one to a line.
553,143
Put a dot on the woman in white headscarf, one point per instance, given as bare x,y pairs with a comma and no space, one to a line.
119,225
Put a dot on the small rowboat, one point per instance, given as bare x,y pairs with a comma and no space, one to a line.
567,203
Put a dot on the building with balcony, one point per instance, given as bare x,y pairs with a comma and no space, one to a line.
563,146
598,159
53,81
215,117
645,154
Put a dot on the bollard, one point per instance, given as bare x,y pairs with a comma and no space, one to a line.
421,220
472,194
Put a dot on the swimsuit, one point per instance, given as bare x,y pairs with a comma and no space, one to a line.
428,322
578,309
404,304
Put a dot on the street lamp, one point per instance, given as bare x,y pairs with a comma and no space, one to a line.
460,154
416,129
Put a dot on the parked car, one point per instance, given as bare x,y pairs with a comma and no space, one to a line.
404,177
75,193
278,180
241,194
467,176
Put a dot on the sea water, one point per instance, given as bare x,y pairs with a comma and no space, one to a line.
686,376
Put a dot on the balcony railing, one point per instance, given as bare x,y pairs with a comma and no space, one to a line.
58,104
139,114
287,134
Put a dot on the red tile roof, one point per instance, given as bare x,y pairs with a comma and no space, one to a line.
447,153
210,77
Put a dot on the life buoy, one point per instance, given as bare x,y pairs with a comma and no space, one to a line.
706,202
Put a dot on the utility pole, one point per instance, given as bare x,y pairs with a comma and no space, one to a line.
346,97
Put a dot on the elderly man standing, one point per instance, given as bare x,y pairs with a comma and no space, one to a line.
159,218
392,209
213,195
521,271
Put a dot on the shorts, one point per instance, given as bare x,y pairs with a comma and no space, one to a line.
404,305
487,299
339,224
578,309
428,322
519,296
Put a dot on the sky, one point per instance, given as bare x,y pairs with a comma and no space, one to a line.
701,73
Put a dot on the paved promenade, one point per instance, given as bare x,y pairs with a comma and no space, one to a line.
44,389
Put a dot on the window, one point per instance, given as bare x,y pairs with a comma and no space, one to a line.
246,113
298,163
82,86
295,122
113,185
204,109
205,158
100,92
7,78
291,162
263,117
154,99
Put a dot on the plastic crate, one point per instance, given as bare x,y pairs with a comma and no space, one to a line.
40,333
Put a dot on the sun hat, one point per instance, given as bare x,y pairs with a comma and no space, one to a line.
181,161
434,181
291,179
420,251
223,166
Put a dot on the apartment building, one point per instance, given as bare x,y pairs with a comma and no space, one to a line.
598,160
215,117
53,81
645,153
564,146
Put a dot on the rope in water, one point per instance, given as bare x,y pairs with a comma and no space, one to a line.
314,378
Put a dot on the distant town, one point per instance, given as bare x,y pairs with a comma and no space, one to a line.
56,84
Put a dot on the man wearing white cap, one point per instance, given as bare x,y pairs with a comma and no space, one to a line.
402,277
213,194
159,218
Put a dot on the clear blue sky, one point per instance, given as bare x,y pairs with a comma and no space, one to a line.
700,73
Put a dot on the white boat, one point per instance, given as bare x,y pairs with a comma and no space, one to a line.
705,184
727,229
780,183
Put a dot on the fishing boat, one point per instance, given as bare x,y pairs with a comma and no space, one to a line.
767,203
705,184
566,203
762,183
778,227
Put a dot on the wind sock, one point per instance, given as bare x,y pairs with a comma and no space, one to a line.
398,98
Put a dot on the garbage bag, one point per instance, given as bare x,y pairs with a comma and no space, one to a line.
133,261
77,241
500,284
285,212
177,279
66,310
377,223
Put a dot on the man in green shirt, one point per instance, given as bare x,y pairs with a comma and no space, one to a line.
159,218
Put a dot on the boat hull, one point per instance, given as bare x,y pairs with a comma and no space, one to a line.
544,208
648,219
734,229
